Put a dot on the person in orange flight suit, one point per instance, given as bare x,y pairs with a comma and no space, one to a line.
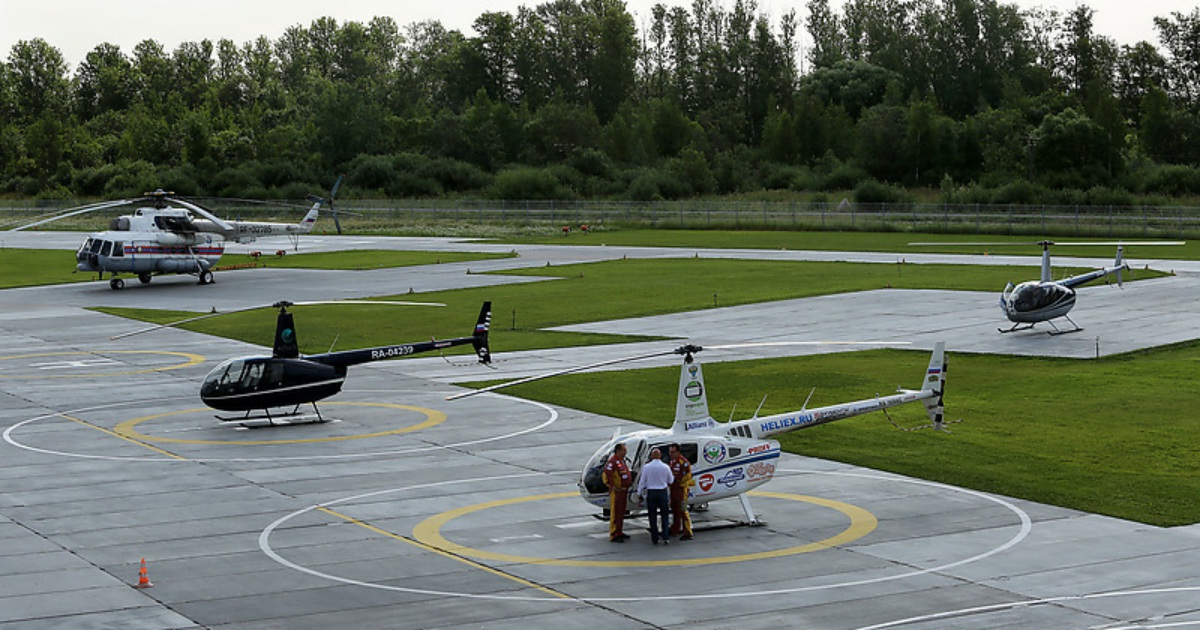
681,521
618,479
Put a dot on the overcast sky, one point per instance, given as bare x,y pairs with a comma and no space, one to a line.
76,27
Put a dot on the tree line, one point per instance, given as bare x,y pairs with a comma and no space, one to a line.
977,100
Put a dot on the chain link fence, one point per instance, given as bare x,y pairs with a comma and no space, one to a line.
382,215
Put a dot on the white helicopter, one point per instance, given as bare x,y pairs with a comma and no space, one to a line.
164,239
1044,300
731,458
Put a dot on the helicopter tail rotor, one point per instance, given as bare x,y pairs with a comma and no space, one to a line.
1120,264
935,381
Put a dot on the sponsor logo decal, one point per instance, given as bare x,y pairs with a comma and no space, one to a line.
760,470
761,448
732,477
693,391
798,420
706,482
707,423
714,452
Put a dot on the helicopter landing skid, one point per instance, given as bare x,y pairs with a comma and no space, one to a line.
1056,330
284,419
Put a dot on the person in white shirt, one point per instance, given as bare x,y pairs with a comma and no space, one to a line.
653,488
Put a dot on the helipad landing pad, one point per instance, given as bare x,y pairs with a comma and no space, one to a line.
98,364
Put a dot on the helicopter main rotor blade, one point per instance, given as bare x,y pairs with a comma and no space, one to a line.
388,302
682,350
214,313
173,324
200,210
580,368
1059,243
70,212
766,344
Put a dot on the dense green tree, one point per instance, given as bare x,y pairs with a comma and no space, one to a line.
1180,35
567,98
38,79
104,82
827,35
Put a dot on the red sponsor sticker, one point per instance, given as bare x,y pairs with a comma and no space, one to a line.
706,482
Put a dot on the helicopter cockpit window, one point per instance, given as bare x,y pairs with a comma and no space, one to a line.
593,473
118,248
95,247
87,245
222,378
252,375
105,248
233,372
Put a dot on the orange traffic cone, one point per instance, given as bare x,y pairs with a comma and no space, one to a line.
144,576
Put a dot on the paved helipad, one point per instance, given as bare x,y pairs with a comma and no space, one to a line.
410,511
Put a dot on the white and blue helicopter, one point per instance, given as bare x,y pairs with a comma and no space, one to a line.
171,235
732,458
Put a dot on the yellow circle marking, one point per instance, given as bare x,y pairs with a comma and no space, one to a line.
192,359
432,418
429,532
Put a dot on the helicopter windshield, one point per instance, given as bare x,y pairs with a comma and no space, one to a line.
1035,296
232,376
593,472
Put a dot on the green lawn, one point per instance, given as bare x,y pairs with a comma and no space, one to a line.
356,259
861,242
36,267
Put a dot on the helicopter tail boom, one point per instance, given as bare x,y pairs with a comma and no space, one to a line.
930,395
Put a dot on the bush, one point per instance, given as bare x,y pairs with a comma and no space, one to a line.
591,162
407,184
371,172
692,172
644,187
456,175
528,183
1175,180
732,172
299,190
873,191
179,180
1103,196
1019,191
132,179
843,177
91,181
234,182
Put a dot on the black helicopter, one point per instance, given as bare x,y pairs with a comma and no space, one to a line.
286,379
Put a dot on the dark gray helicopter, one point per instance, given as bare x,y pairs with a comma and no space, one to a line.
1046,299
287,379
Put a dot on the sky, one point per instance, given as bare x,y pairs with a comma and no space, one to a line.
76,27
